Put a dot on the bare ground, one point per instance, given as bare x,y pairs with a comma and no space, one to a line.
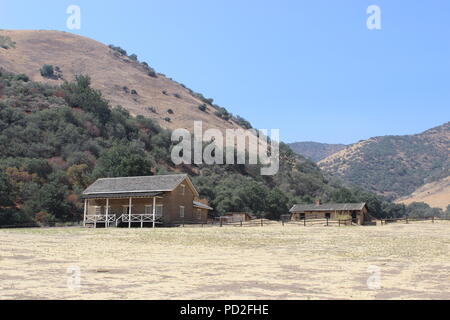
272,262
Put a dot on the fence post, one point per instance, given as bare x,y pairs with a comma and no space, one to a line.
241,223
221,223
304,221
327,222
261,222
432,220
406,219
282,222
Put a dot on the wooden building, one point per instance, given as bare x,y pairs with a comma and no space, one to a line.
143,201
357,212
237,217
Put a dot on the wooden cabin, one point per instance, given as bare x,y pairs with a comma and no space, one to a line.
143,201
237,217
357,212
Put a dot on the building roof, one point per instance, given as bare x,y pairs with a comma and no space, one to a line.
136,185
201,205
121,195
328,207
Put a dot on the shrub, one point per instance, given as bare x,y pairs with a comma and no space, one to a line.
134,92
164,92
167,119
6,42
118,50
133,57
22,77
170,111
151,109
176,95
47,71
202,107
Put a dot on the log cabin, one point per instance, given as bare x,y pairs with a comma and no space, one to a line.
357,212
143,201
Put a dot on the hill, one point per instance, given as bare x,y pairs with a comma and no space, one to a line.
314,150
394,166
57,139
121,78
436,194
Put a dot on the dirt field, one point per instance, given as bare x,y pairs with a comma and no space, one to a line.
272,262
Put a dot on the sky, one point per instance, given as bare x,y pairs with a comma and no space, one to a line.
311,68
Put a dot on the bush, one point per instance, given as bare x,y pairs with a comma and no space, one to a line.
202,107
170,111
164,92
176,95
134,92
167,119
47,71
133,57
22,77
152,109
118,50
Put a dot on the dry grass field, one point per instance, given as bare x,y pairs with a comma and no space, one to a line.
272,262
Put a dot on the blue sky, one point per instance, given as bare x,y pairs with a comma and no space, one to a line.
310,68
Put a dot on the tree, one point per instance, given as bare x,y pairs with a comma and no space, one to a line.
80,94
47,71
277,204
123,161
6,193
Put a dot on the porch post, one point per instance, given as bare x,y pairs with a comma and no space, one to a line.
107,213
154,211
129,214
85,212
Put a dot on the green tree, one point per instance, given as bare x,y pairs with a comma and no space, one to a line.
277,204
123,161
47,71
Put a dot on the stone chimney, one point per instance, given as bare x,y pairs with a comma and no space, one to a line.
318,202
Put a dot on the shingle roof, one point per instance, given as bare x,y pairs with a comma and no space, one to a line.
135,184
327,207
121,195
201,205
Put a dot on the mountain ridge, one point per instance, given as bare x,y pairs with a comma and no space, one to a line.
394,166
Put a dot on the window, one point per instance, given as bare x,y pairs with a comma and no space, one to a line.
126,209
183,189
181,212
159,209
302,216
327,215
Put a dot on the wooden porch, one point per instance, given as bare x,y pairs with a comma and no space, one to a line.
114,211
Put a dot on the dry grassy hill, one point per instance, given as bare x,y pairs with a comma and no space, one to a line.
398,166
436,194
110,73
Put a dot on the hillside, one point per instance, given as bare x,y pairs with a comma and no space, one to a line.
394,166
57,139
112,72
314,150
436,194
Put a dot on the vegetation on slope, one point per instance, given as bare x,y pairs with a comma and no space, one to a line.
394,165
56,140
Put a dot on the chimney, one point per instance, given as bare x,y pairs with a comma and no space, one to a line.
318,202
